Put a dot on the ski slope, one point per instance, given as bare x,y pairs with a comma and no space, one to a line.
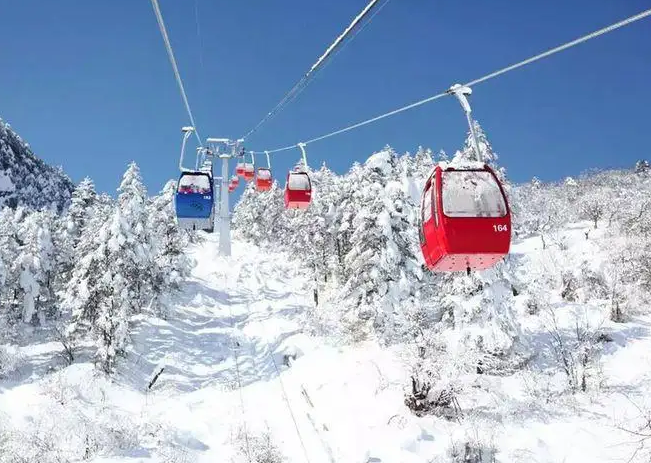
239,366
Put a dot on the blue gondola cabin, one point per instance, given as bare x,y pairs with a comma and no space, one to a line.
194,201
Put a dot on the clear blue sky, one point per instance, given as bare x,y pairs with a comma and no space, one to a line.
89,86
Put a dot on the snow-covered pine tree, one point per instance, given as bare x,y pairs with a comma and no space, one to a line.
382,269
83,198
487,155
313,241
10,312
37,262
341,227
133,241
423,166
642,166
169,243
113,278
74,221
258,216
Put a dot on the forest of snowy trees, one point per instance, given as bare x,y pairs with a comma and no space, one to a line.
88,271
359,242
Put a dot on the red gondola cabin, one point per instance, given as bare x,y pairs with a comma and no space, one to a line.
298,190
263,179
465,219
239,169
249,172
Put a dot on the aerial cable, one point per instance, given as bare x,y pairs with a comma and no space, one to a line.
198,24
330,59
170,53
302,83
482,79
343,35
354,34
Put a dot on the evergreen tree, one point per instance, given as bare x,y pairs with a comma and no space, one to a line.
67,237
114,277
9,271
423,164
487,155
383,271
36,263
642,166
172,264
254,213
133,238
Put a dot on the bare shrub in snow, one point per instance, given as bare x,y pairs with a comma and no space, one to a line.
638,427
471,451
64,428
577,350
535,302
433,388
69,345
426,399
593,209
470,443
592,282
259,448
570,286
10,360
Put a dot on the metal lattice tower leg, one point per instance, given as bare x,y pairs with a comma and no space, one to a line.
224,215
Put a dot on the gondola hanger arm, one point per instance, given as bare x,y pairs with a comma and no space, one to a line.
301,145
462,92
187,132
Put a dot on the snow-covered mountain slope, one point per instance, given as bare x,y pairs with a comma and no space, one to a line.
246,321
25,179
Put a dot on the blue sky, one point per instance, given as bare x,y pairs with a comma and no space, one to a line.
89,86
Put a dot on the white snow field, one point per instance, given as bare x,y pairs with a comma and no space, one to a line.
245,320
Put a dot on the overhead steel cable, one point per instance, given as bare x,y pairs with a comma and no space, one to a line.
331,58
198,28
170,54
492,75
319,64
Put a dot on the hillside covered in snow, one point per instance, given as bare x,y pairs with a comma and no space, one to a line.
323,338
26,180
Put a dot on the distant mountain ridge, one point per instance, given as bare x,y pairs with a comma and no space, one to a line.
26,180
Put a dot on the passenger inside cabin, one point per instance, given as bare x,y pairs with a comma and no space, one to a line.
194,184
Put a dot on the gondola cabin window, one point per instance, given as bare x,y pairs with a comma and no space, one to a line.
264,174
194,184
299,182
472,194
427,204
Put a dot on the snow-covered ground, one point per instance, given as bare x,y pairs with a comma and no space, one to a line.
243,321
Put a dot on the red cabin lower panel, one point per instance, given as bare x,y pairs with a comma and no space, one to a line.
249,172
297,199
461,262
263,185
